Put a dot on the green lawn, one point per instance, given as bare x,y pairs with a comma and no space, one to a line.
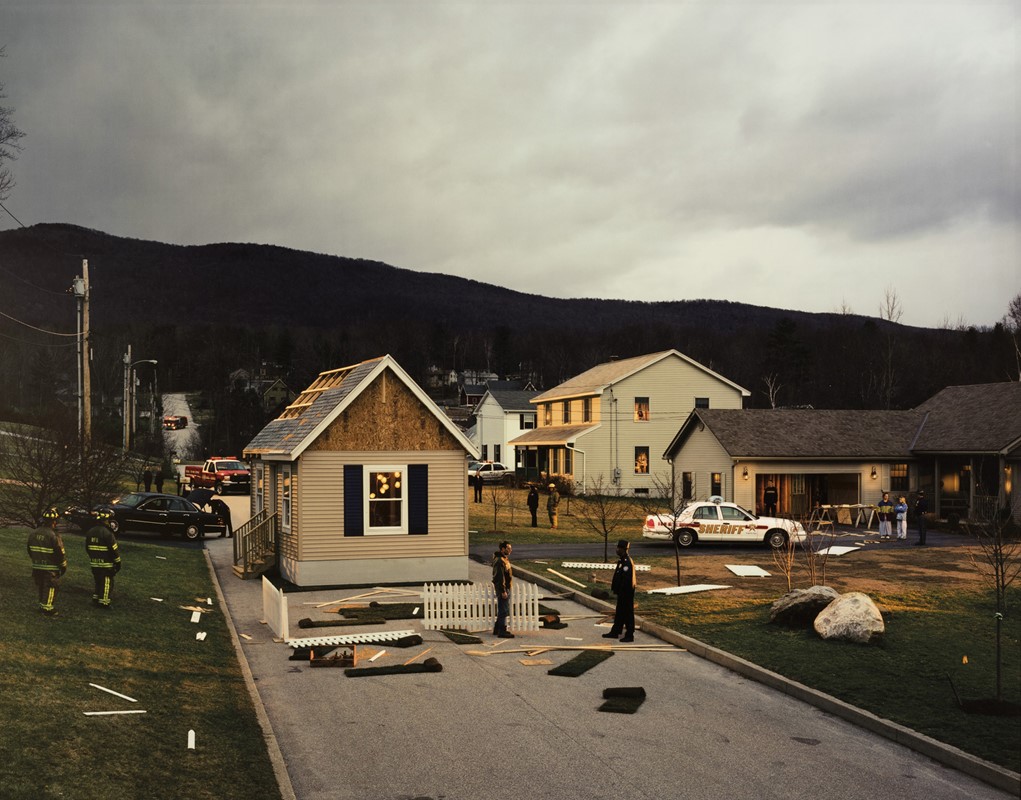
141,648
903,679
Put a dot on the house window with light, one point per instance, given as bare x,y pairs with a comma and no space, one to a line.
385,510
547,414
717,483
641,461
898,477
641,409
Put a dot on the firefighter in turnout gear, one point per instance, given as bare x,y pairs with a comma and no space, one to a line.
104,558
49,561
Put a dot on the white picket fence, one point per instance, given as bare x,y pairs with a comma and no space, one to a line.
472,606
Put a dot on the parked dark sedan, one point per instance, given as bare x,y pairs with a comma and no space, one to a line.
148,512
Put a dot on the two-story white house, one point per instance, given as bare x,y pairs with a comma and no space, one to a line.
609,425
500,416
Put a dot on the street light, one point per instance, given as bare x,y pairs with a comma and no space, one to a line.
129,396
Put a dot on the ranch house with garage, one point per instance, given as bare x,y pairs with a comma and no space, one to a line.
361,481
962,447
609,425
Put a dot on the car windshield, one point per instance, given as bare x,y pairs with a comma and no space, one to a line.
230,465
129,500
474,465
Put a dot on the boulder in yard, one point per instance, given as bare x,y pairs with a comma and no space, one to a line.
852,617
800,607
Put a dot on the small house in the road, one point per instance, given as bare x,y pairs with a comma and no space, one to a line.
365,478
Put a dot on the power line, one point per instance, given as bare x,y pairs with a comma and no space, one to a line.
29,283
22,224
37,344
41,330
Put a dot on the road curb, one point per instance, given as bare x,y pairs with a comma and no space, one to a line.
276,757
945,754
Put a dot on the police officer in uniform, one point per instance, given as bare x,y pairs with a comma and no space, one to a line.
623,585
49,561
105,559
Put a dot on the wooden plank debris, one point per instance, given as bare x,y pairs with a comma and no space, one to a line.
111,691
111,713
564,577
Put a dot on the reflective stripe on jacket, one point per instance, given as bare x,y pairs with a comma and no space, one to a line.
101,546
46,550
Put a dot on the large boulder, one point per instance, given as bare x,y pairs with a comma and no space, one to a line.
852,617
800,607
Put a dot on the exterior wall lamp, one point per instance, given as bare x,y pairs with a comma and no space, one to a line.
744,473
873,473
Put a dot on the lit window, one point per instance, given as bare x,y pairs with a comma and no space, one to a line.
899,477
641,460
386,511
717,483
547,414
641,409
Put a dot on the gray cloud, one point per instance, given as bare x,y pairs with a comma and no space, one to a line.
788,154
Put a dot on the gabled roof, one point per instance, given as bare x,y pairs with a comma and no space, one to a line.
980,418
805,433
597,379
325,399
511,400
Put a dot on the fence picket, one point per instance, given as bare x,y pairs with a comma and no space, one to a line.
473,606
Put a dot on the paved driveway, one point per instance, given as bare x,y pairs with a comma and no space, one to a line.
495,728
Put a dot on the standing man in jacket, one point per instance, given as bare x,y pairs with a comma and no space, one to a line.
104,557
921,509
503,576
533,504
552,503
624,583
885,509
49,561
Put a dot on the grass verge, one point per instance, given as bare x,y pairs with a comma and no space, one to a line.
934,631
141,648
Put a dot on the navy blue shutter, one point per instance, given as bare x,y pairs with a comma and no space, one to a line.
354,523
418,499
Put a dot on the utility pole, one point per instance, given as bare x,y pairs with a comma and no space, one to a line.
80,289
126,402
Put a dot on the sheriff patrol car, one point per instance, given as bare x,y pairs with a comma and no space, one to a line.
718,521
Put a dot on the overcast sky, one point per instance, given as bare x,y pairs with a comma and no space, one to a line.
805,155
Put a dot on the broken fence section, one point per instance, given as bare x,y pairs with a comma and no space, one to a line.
472,607
350,638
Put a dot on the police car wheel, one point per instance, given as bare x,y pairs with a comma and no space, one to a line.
114,524
776,539
684,538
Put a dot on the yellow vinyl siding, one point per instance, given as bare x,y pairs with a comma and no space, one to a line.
321,500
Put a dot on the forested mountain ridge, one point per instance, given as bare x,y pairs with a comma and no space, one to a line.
203,311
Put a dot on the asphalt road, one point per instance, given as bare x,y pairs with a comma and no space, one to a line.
493,727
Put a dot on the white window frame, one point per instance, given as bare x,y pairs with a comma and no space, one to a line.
392,530
286,489
260,496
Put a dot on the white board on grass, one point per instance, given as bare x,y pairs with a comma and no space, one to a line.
695,587
836,550
746,571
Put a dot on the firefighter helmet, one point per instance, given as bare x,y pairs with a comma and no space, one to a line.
51,513
102,514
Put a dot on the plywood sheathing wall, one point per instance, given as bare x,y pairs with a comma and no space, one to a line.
386,416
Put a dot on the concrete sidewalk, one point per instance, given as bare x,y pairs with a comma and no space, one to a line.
493,727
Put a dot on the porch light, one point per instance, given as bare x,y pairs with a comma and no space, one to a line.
873,474
744,473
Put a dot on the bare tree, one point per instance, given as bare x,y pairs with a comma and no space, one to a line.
890,310
1012,322
666,502
999,561
499,497
773,386
10,143
604,509
784,558
38,466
